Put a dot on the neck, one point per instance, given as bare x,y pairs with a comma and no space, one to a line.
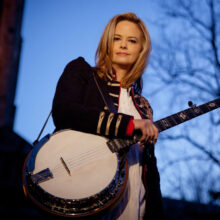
120,72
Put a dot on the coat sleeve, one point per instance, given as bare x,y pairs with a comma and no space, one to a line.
69,111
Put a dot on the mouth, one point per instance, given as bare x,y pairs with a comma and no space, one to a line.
122,54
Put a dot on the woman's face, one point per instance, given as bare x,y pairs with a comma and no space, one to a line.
127,45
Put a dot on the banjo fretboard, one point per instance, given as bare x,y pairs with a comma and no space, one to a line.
186,115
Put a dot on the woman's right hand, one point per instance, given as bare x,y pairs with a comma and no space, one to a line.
148,129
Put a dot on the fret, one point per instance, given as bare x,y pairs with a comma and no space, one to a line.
172,121
194,112
177,118
182,116
160,125
165,122
198,111
205,108
213,105
191,113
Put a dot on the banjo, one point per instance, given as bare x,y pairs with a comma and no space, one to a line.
76,174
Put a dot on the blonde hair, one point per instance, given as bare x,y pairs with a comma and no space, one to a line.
103,52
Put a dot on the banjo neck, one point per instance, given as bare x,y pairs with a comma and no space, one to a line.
186,115
168,122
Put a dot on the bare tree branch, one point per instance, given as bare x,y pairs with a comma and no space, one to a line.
187,61
182,159
194,144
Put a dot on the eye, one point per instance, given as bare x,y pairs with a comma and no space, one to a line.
133,41
116,38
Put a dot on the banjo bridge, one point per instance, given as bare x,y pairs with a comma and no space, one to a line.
42,176
65,166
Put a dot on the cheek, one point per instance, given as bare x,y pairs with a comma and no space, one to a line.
137,53
115,45
114,48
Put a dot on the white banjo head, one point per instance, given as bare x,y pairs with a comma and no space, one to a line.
88,159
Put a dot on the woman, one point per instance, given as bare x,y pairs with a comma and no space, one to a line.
121,59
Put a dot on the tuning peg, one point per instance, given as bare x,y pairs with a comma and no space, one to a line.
191,105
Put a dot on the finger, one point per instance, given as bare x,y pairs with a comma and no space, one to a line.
152,134
146,134
154,141
155,133
141,139
148,138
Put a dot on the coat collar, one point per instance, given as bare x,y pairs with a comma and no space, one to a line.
141,104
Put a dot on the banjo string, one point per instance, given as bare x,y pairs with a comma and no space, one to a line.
77,161
81,159
76,156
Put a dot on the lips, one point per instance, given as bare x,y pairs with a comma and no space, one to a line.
122,54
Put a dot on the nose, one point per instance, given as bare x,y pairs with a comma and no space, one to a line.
123,44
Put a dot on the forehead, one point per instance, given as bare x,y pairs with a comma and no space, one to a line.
128,29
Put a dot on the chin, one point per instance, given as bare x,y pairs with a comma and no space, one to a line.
122,62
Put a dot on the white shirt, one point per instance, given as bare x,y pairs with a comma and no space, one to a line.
133,209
